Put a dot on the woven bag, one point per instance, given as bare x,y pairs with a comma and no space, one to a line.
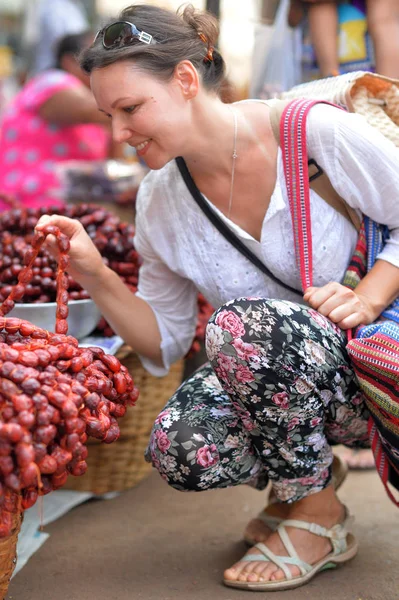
368,94
373,349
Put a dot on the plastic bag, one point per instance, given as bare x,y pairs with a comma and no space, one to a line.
277,57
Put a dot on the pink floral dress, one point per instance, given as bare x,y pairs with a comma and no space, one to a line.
31,146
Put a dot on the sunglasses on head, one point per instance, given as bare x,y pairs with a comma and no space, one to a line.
122,33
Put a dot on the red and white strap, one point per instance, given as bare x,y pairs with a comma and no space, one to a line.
296,170
295,159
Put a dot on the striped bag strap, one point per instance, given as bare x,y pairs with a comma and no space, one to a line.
381,461
294,148
295,160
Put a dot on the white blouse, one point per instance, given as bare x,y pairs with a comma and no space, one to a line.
183,252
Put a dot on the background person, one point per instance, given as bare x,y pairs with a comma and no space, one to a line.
382,23
46,22
54,118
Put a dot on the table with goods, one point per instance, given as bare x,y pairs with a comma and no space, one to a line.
61,404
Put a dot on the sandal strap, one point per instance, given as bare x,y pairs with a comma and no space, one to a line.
287,542
280,561
337,534
277,560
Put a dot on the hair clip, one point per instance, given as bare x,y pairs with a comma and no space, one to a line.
209,56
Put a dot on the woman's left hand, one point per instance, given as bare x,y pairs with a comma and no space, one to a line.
341,305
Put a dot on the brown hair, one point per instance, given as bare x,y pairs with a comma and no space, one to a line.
189,34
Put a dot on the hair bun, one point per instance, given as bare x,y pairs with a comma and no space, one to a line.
189,34
204,24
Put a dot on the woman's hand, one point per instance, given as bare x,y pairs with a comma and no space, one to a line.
85,259
341,305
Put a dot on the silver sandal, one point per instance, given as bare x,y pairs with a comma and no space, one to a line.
344,545
339,473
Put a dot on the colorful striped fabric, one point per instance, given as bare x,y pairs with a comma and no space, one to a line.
373,349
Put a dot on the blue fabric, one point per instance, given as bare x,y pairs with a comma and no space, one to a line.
376,236
384,414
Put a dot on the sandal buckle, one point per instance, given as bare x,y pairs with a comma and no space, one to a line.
317,529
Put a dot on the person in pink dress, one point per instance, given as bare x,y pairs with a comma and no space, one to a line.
54,118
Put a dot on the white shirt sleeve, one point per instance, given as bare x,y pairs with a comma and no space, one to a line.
362,165
172,298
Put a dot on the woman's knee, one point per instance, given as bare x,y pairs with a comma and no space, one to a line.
250,320
168,452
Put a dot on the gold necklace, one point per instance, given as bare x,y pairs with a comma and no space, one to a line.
234,157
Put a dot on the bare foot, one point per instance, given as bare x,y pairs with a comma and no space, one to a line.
358,458
310,548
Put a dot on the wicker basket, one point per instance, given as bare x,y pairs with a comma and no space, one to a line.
121,465
373,96
8,554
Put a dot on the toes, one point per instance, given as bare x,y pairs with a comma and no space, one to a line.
252,572
265,571
242,570
279,575
230,574
261,568
261,572
257,572
254,578
248,570
236,571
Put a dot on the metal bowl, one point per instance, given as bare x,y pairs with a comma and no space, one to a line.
82,319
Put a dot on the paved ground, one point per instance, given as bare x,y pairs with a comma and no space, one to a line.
153,543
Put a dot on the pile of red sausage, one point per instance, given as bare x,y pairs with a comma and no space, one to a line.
53,395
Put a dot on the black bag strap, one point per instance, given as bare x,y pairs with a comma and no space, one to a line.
223,228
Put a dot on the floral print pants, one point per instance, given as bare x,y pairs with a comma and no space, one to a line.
277,391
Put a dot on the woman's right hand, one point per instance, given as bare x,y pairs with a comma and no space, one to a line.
85,259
